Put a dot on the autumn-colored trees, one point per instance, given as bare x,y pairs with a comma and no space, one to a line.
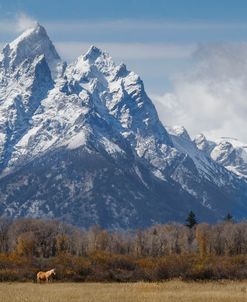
49,238
158,252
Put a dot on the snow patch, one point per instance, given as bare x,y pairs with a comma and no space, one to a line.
77,141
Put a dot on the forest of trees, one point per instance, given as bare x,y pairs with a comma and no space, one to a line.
190,251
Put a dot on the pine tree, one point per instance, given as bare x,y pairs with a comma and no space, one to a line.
228,218
191,220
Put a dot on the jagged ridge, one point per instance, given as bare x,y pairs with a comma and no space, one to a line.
84,143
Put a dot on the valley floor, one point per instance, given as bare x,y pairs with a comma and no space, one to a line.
125,292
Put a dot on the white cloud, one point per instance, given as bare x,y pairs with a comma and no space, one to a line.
24,22
130,24
124,51
212,97
19,23
77,26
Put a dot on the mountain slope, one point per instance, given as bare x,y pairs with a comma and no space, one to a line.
226,151
84,143
217,187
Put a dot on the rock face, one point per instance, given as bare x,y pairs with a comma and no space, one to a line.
227,151
83,143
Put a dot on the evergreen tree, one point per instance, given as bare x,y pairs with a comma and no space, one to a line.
228,218
191,220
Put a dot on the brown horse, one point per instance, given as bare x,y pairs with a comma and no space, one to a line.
45,276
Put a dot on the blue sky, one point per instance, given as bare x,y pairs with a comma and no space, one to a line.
218,10
161,40
173,27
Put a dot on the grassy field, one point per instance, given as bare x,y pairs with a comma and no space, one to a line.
233,291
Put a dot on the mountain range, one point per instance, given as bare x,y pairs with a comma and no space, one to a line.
83,143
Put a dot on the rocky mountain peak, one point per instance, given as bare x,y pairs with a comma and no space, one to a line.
203,144
179,131
32,43
87,146
93,53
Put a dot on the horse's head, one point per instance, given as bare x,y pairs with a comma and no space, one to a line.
53,271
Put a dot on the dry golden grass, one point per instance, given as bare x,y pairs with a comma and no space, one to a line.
171,291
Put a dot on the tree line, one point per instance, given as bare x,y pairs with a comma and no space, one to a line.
190,251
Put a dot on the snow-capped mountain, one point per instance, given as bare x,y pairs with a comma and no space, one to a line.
226,151
84,143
